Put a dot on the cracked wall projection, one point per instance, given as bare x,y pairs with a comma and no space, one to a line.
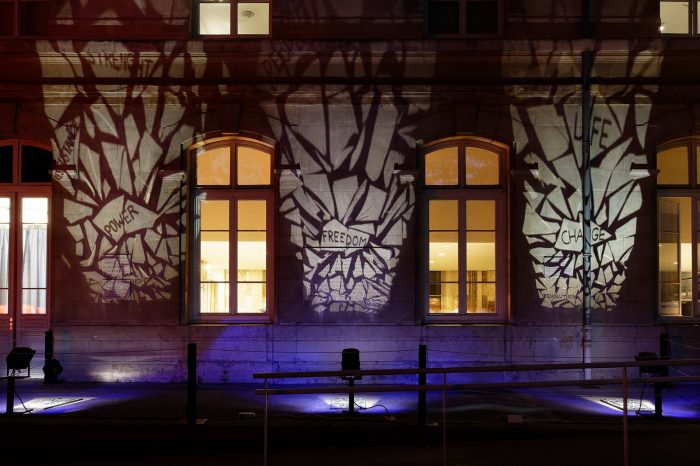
352,229
553,210
349,210
122,216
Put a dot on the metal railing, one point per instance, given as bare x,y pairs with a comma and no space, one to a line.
624,381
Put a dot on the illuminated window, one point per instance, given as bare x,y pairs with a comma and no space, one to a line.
24,17
231,215
678,209
233,18
679,17
465,235
25,193
464,17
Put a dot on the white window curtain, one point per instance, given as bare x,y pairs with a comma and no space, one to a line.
34,262
4,266
450,291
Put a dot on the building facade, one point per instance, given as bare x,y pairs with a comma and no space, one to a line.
501,181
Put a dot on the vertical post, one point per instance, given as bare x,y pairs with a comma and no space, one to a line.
422,363
625,432
444,419
586,9
351,396
587,193
10,403
49,375
265,427
665,348
191,384
658,400
664,354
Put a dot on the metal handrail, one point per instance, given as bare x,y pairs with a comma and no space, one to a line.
468,386
468,369
625,380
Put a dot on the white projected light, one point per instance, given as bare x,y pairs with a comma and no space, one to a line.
553,221
632,404
44,404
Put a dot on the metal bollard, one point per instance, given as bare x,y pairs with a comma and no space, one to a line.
191,384
422,378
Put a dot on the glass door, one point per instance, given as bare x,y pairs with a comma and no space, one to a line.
25,202
24,245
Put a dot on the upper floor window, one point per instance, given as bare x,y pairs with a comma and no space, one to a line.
464,17
233,18
679,17
678,206
231,224
24,17
465,230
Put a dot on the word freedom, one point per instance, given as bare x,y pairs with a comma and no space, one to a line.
335,234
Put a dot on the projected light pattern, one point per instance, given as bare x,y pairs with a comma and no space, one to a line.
352,231
348,211
341,402
632,404
36,405
122,216
551,137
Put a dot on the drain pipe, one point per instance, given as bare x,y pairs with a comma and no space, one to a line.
587,188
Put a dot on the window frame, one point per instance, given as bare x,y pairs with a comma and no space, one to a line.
462,193
231,192
463,21
17,190
693,26
17,18
233,21
690,190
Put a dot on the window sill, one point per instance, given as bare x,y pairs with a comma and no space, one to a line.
679,320
497,35
230,319
230,36
470,319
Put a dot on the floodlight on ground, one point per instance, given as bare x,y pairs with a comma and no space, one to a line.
350,362
18,360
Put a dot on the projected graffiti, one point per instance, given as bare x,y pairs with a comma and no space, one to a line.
553,217
352,230
121,213
349,209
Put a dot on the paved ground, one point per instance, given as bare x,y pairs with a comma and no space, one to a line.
110,424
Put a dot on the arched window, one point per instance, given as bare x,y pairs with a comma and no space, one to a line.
465,240
231,240
25,200
678,201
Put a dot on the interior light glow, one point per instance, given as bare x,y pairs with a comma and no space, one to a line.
214,18
254,18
